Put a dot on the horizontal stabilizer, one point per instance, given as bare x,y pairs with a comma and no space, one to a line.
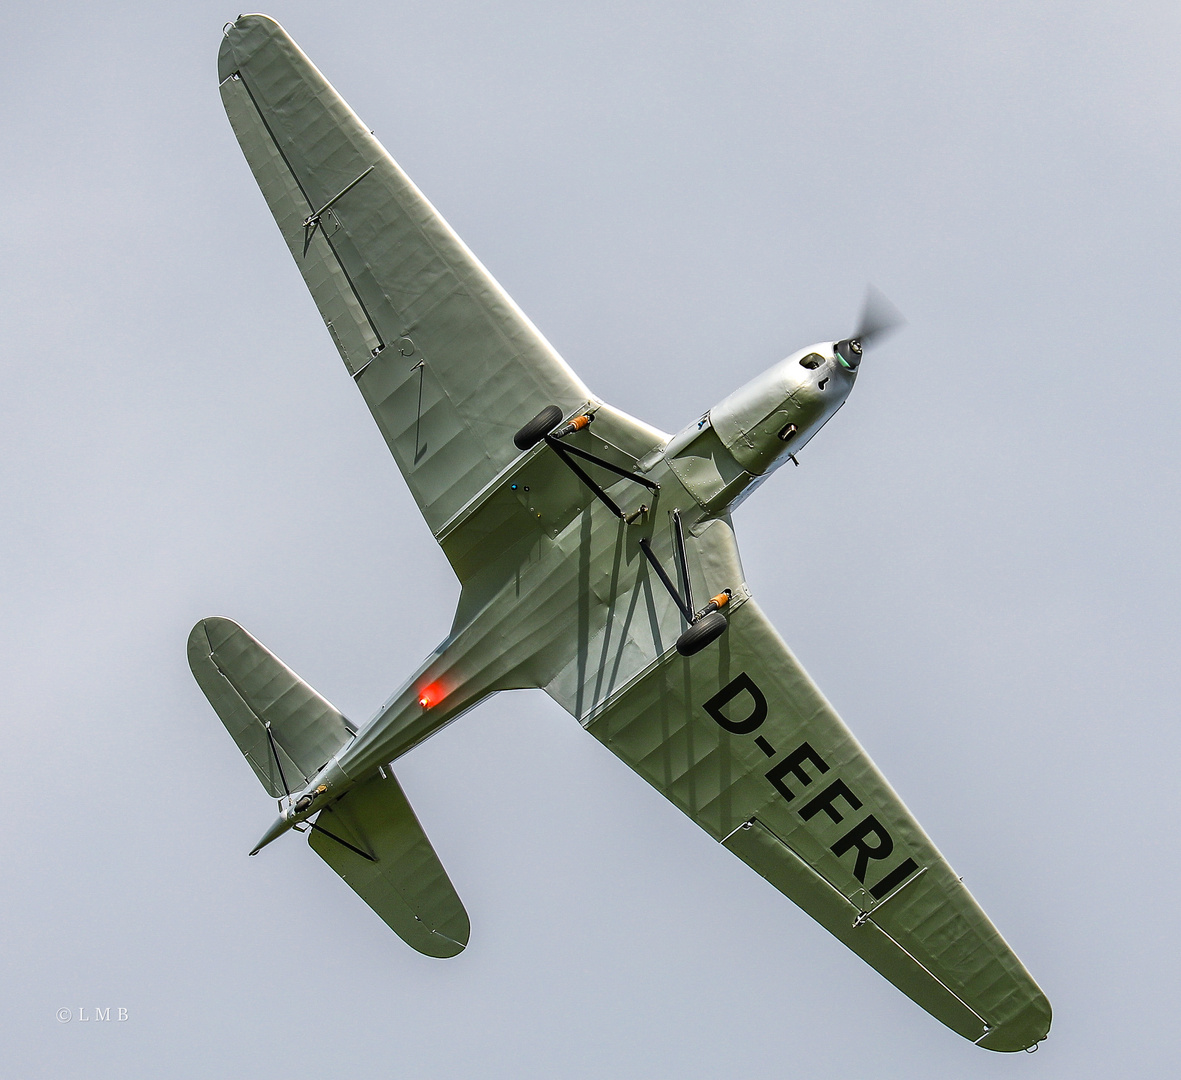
373,840
251,688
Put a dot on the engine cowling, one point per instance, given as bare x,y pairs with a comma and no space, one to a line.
776,414
749,434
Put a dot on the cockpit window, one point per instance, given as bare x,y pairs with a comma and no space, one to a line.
812,361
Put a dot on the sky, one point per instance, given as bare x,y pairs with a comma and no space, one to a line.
976,559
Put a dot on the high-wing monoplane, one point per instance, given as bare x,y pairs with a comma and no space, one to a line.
597,562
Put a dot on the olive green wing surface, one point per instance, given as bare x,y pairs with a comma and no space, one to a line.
739,737
448,364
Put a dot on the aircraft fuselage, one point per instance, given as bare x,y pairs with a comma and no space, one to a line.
582,563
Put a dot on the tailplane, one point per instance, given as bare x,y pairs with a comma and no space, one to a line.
370,836
286,730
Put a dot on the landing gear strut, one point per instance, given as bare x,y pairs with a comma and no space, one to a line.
706,625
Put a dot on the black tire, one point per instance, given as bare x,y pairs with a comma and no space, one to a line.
538,428
708,628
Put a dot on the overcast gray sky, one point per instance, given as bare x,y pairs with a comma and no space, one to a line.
977,559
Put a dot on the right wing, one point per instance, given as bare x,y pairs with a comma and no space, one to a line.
740,739
449,366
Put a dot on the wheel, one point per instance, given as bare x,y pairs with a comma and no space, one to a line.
701,633
538,428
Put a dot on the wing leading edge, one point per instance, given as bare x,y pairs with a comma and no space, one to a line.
741,740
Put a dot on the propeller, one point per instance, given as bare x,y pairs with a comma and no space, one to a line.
879,319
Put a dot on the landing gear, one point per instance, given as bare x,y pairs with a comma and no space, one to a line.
306,801
706,625
537,428
541,428
707,629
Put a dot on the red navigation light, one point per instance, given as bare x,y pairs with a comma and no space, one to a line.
430,695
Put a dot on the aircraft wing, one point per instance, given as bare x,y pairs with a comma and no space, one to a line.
449,365
739,737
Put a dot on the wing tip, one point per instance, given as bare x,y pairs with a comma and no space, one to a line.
1021,1032
236,46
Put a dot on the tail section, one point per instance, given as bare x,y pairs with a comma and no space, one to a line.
284,728
370,836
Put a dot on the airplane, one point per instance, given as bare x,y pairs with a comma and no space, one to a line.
597,561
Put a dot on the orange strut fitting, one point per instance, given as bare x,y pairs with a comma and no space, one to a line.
577,424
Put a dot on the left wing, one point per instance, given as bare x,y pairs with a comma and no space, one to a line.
739,737
449,366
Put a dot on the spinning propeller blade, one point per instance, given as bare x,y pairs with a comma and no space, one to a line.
879,318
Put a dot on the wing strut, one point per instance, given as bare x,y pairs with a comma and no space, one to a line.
686,606
275,752
326,832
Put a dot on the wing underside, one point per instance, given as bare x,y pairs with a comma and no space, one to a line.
742,741
448,364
